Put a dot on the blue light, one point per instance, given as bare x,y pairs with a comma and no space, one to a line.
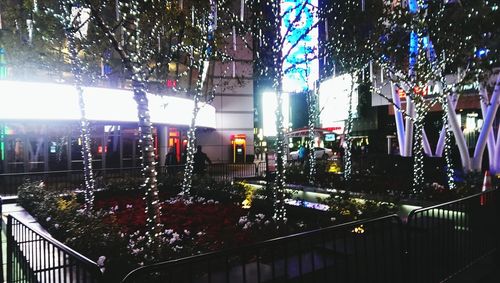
413,6
413,49
482,52
301,71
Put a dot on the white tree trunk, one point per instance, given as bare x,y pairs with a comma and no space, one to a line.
487,126
442,134
425,141
398,116
490,142
459,135
496,160
410,110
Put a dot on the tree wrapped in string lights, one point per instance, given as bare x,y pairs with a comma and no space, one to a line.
348,25
136,32
49,29
276,46
209,31
443,40
74,20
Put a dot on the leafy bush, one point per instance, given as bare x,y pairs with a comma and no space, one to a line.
36,199
94,234
344,208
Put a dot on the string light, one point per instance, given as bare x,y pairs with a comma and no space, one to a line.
312,117
72,24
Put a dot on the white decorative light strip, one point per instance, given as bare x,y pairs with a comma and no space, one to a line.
56,102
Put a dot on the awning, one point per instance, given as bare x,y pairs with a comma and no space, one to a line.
30,101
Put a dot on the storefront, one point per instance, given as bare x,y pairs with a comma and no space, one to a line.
39,127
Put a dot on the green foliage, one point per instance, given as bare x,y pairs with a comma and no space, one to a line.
221,191
64,218
344,208
36,199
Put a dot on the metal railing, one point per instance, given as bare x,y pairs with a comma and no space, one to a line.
68,181
444,239
362,251
435,244
35,257
62,181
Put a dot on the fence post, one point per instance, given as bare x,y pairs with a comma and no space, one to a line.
9,248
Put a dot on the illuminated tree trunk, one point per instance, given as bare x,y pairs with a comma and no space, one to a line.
418,148
348,135
88,174
191,136
447,147
280,180
150,187
312,116
131,64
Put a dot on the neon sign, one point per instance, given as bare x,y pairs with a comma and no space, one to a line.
300,48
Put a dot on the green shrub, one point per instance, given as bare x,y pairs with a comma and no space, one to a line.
36,199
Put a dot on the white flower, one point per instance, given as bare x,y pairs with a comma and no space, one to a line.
176,236
48,219
247,225
242,220
169,231
187,232
200,234
100,261
56,225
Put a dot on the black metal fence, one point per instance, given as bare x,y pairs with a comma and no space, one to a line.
35,257
68,181
364,251
436,243
444,239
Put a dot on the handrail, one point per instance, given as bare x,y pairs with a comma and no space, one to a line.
413,212
67,171
94,268
200,257
114,169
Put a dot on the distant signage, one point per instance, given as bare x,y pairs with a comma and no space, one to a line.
171,83
270,162
330,137
334,99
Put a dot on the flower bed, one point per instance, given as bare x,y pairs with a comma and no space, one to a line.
213,218
113,233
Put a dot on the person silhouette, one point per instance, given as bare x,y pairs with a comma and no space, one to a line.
200,159
171,161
